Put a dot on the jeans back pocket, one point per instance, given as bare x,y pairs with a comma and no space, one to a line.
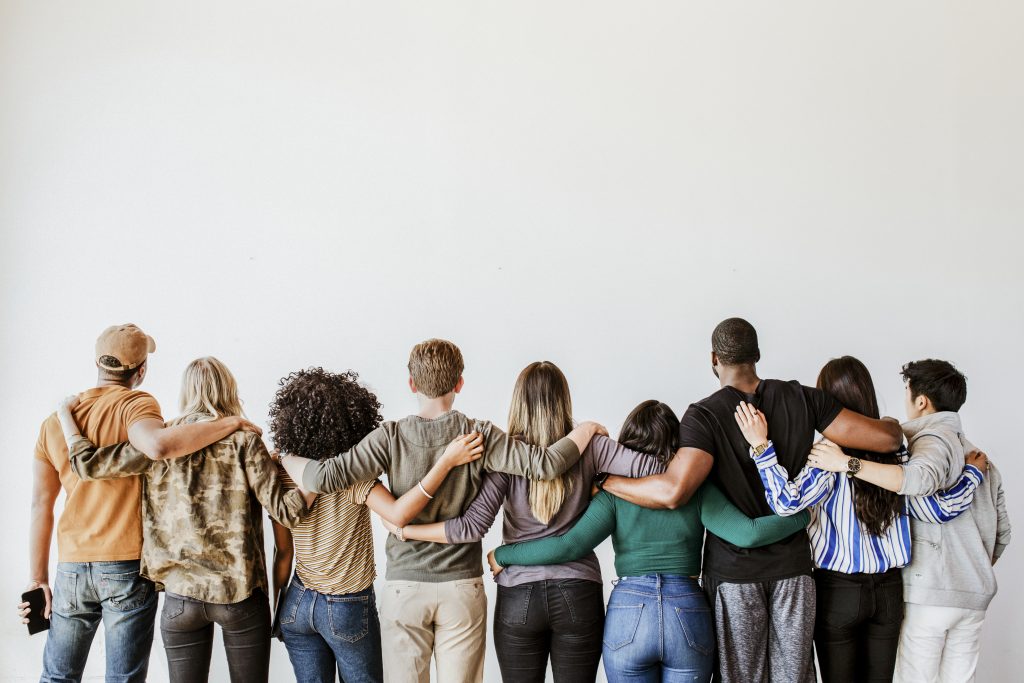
620,625
584,600
125,591
697,628
349,615
65,592
514,604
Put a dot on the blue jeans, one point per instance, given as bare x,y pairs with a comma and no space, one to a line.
324,632
658,628
84,593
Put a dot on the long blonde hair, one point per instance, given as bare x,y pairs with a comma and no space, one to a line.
209,388
541,414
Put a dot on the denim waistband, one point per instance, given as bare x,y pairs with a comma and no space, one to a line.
657,581
296,581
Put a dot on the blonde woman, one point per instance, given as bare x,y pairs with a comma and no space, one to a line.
554,611
203,529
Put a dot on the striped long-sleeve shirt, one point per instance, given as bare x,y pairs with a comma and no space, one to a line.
839,542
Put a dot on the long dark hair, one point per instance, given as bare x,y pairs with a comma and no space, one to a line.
651,428
850,382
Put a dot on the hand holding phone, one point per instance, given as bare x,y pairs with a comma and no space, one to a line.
35,608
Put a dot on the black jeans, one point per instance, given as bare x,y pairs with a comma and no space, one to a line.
187,629
858,623
563,618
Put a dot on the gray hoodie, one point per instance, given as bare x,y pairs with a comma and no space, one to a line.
951,564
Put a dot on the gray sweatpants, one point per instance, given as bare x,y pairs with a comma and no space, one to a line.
764,630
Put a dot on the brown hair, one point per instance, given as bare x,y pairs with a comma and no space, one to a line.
850,382
541,414
435,367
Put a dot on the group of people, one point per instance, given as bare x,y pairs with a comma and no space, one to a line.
743,545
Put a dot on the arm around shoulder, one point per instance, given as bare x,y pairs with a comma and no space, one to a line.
367,460
853,430
670,489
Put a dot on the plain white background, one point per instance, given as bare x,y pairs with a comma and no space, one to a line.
592,183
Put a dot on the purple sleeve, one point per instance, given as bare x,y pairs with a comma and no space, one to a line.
474,523
605,455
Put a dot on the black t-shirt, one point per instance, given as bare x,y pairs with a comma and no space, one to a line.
794,413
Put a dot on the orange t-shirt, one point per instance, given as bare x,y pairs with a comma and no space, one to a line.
102,520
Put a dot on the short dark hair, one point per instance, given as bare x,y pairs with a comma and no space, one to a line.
319,414
652,427
734,341
939,381
117,375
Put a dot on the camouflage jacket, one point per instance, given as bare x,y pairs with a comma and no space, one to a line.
201,522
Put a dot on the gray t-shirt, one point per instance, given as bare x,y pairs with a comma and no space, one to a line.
602,455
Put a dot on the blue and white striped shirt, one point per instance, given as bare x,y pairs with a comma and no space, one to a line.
839,542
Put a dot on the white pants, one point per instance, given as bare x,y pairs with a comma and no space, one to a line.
939,644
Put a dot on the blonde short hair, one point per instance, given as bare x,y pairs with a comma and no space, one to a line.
209,388
435,366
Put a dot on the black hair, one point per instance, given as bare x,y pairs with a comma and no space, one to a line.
124,376
319,414
734,341
939,381
651,428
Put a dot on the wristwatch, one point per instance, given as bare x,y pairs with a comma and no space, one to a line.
852,467
759,450
600,479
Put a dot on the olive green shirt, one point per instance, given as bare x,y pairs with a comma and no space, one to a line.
202,529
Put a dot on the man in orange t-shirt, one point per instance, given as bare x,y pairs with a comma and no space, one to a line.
99,534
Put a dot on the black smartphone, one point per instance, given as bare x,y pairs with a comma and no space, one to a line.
36,600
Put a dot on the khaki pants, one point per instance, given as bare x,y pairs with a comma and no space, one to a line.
447,619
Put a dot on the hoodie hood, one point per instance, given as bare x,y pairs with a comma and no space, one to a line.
945,421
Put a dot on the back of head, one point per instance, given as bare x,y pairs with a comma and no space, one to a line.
653,428
319,414
435,367
939,381
209,388
734,341
541,414
848,380
121,352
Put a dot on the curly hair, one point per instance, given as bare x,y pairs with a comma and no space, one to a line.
319,414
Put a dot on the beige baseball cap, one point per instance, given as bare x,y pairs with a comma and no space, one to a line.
123,347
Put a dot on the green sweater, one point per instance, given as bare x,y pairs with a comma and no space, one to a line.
654,541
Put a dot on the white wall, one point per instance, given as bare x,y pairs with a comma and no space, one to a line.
592,183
